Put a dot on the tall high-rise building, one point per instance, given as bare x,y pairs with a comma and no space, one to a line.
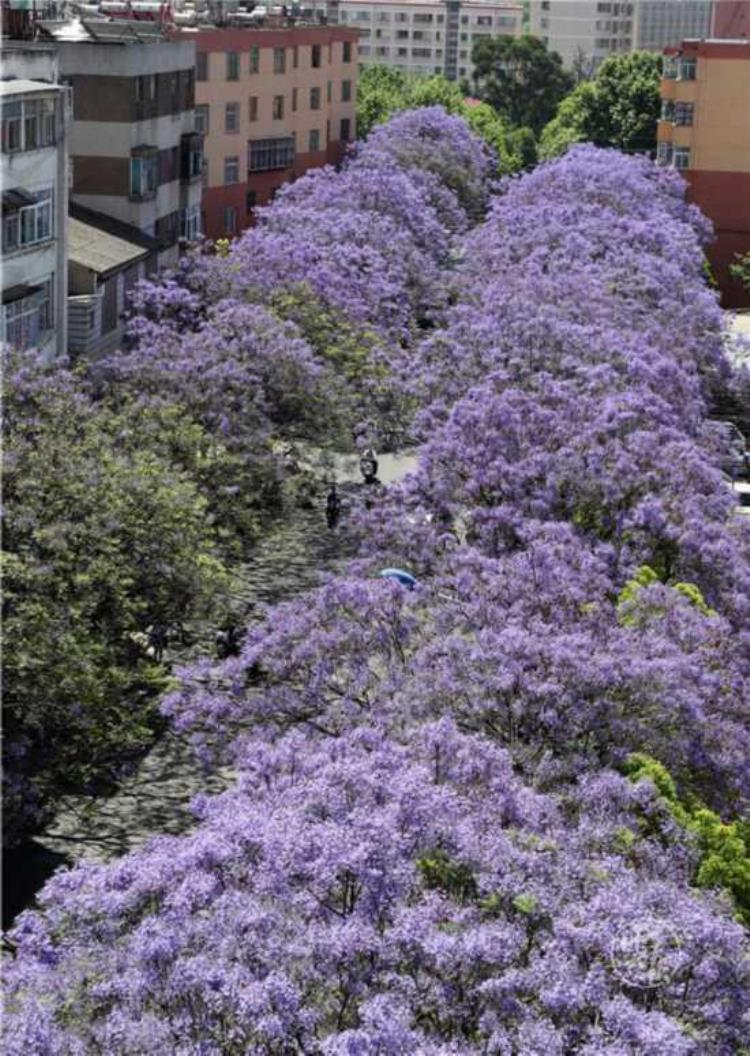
35,122
704,132
731,19
585,32
426,36
271,102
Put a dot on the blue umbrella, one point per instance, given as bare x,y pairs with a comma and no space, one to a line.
404,578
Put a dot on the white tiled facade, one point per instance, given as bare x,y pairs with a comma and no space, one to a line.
585,32
427,36
34,222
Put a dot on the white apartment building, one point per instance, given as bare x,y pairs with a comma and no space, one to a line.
35,116
585,32
427,36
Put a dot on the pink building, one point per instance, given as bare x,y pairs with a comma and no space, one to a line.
271,103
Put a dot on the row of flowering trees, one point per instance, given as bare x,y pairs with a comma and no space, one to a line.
505,812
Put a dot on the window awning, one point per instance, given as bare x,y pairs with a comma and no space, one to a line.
16,199
17,293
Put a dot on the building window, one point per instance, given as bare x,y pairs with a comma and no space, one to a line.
279,60
315,56
231,170
663,153
267,154
232,117
201,66
278,107
230,220
314,140
27,318
233,65
27,218
402,34
190,222
683,113
191,156
144,173
202,113
484,20
145,88
422,18
295,57
254,60
315,98
294,99
329,91
250,201
681,157
346,129
28,125
667,110
347,51
346,91
253,108
686,69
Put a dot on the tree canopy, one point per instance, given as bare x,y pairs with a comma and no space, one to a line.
618,108
520,79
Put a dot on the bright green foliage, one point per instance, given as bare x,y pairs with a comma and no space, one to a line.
382,91
440,872
741,270
619,108
105,541
525,904
724,848
520,78
628,613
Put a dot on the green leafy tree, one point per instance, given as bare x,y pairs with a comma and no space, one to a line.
383,91
107,547
741,270
723,847
520,78
618,108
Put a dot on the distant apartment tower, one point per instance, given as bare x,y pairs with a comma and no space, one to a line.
585,32
271,103
136,156
34,200
704,132
428,36
731,19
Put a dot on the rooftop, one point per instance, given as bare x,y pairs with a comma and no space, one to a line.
103,31
100,250
21,86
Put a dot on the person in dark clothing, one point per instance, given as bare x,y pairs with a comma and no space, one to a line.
333,507
368,466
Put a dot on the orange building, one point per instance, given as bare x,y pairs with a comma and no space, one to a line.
271,102
704,132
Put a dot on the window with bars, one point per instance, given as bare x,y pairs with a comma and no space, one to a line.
314,140
315,98
681,157
27,318
663,153
190,222
279,60
346,91
266,154
230,220
683,113
686,69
